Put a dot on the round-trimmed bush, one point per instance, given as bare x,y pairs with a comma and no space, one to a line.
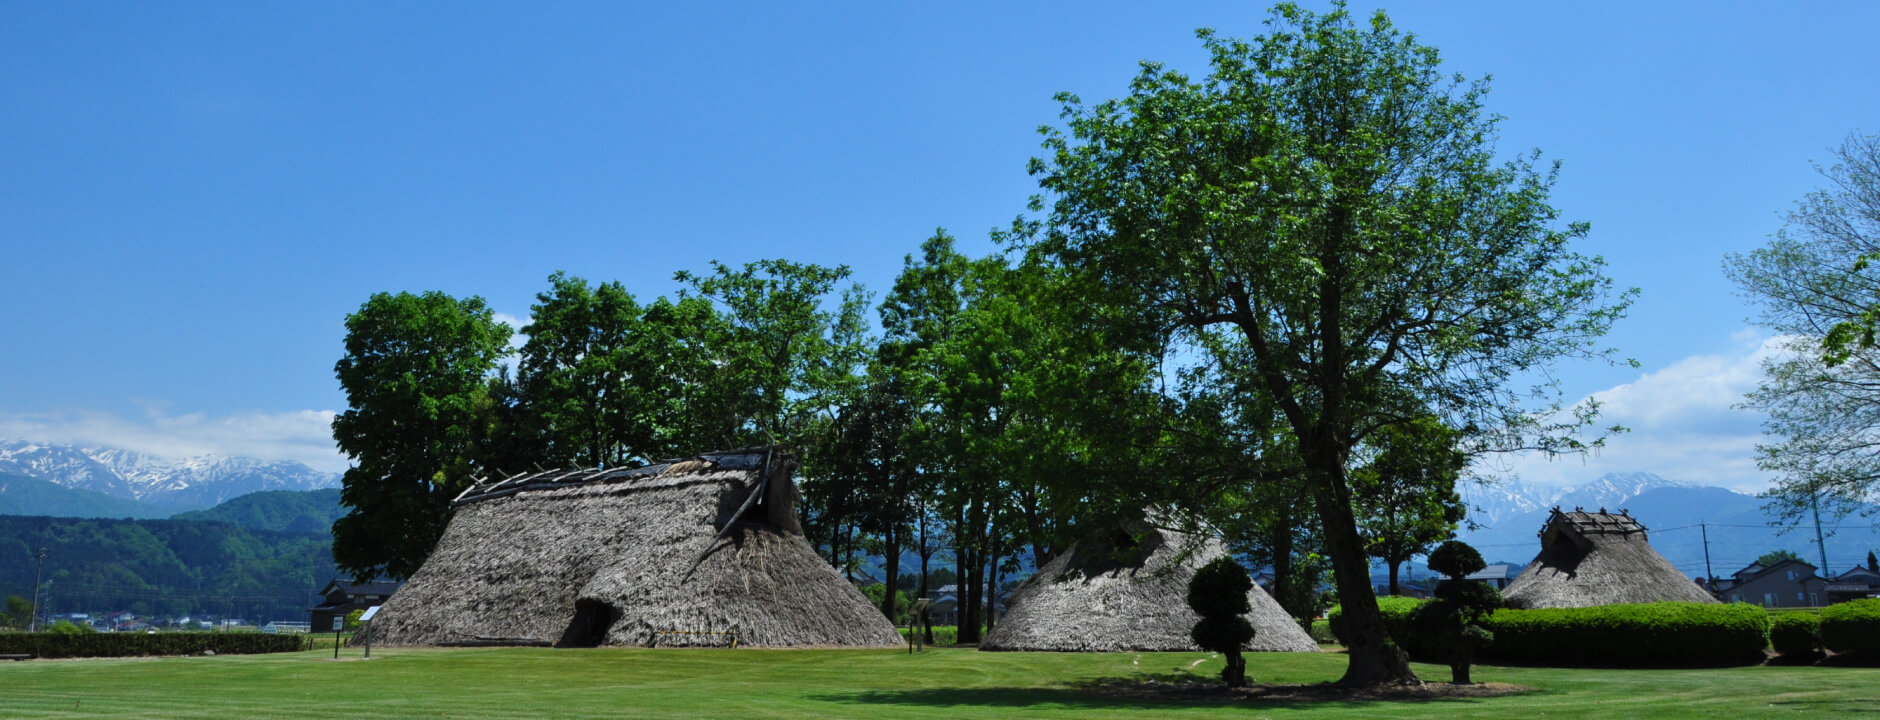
1852,626
1795,634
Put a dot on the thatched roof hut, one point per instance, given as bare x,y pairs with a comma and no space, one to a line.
1598,558
1128,592
687,552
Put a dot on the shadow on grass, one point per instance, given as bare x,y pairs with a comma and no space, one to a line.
1154,692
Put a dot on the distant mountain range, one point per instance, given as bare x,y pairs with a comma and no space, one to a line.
1679,517
166,486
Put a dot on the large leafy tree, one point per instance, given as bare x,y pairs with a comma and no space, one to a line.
1405,497
584,373
416,375
1820,292
1331,197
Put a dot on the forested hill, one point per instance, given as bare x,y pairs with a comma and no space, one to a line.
311,511
22,495
166,567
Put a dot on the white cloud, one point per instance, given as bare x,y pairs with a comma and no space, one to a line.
303,436
1683,421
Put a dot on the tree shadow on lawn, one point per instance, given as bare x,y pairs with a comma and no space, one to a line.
1154,692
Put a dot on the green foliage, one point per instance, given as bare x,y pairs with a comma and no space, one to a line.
1396,611
1816,285
877,595
311,511
1324,218
22,495
19,612
416,374
1219,589
586,371
95,644
67,627
1218,593
1795,634
1406,495
942,634
167,567
1456,559
1770,559
1852,626
1651,634
352,619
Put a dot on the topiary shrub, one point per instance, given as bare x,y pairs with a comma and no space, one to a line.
1450,628
1218,593
1647,634
1796,634
1852,626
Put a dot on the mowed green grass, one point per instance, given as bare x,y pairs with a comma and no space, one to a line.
944,683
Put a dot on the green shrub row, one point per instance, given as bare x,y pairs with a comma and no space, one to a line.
49,645
942,634
1795,634
1396,611
1675,634
1852,626
1650,634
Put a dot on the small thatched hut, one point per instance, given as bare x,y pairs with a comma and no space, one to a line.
1128,593
688,552
1598,558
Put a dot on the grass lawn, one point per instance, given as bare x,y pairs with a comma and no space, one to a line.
945,683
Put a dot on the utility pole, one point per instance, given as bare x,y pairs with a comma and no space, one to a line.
1710,576
38,567
1814,500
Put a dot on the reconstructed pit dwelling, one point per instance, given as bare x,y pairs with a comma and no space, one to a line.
1598,558
702,551
1129,593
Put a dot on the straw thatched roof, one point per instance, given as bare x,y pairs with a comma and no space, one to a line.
680,553
1598,558
1128,592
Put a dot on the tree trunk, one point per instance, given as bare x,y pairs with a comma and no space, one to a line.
891,549
992,593
1374,659
1393,578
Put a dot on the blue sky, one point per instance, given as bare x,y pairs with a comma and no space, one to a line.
193,196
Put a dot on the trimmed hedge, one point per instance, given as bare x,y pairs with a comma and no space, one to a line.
1852,626
1648,634
1396,612
48,645
1795,634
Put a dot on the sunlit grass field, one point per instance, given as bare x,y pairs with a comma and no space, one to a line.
942,683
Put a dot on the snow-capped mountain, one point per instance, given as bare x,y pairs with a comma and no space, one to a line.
1491,504
195,482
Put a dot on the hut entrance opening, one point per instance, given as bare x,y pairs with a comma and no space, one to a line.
588,628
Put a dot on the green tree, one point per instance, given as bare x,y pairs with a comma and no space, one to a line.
782,360
416,376
1820,293
584,374
1332,198
1405,497
1769,559
18,611
1218,593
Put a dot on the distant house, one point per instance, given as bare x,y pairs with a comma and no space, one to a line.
341,597
1789,583
1854,584
1498,575
943,607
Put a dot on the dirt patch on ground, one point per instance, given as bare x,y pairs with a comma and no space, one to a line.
1177,690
